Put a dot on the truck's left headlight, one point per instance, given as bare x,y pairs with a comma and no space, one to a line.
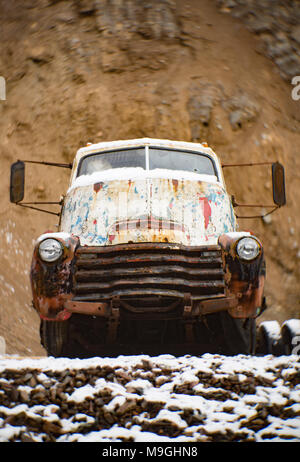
50,250
248,248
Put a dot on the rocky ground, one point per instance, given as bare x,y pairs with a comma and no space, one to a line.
82,71
150,399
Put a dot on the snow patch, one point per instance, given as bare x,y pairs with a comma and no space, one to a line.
142,398
138,173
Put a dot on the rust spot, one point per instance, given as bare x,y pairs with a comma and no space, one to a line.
175,185
201,187
98,186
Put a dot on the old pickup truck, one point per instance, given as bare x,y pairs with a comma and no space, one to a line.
148,256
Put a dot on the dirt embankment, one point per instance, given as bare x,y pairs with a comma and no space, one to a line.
102,70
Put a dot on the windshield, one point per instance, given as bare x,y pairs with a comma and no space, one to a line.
148,159
114,159
180,160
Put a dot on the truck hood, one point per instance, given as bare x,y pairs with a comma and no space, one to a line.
148,206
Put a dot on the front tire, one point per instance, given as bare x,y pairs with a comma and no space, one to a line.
239,335
54,337
269,339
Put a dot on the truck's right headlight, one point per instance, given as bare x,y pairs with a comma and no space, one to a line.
50,250
248,248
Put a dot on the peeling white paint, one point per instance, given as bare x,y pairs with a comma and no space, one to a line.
148,210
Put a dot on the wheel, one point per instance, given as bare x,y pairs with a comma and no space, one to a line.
239,335
269,339
220,333
54,337
290,332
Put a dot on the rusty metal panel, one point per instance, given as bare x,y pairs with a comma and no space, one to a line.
52,284
245,280
157,269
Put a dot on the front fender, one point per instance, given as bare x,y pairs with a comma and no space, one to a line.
51,283
244,279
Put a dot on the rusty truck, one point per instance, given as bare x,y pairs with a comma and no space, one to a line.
148,255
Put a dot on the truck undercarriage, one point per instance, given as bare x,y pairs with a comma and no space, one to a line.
84,336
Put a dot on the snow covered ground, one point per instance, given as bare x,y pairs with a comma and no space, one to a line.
150,399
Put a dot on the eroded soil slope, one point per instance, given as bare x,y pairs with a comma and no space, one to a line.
86,71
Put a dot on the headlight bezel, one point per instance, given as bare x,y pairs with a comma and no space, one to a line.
58,255
239,252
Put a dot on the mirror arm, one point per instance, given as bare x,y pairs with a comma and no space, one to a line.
260,216
252,205
36,208
40,203
54,164
247,165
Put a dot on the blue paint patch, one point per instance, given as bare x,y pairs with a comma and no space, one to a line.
87,210
79,220
225,228
100,239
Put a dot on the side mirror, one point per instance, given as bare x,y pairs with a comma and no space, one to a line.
278,184
17,181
